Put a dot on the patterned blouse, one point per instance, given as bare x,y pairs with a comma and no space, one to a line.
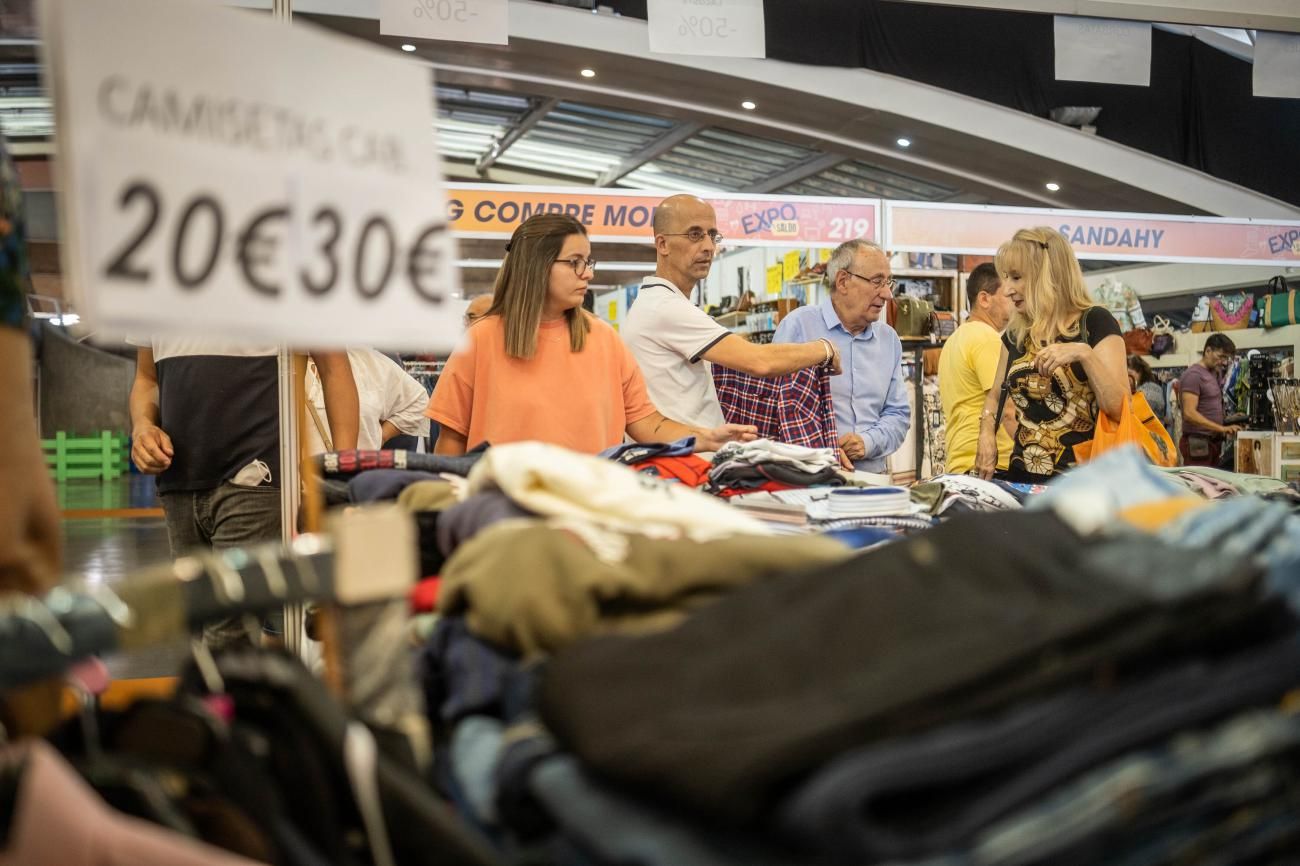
1055,412
14,276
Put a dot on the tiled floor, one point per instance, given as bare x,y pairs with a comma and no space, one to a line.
108,549
128,491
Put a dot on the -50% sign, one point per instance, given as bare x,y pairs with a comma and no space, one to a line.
454,20
703,25
444,10
718,28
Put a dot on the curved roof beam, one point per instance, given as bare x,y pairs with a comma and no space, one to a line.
874,91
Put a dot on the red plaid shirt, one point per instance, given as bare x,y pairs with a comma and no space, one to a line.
795,408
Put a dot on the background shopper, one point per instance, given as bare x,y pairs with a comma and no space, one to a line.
1200,391
29,516
968,367
539,367
1062,360
872,414
674,341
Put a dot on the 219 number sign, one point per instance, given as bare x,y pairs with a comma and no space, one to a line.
197,237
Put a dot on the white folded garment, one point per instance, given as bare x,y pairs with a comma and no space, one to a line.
810,460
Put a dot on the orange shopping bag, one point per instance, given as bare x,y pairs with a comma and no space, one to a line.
1137,424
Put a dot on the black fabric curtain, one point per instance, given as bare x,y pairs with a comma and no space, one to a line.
1198,111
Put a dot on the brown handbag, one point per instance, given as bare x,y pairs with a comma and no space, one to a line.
1138,341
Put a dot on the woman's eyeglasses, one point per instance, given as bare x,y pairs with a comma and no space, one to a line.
579,265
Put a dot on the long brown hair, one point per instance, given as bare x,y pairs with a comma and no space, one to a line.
523,280
1054,291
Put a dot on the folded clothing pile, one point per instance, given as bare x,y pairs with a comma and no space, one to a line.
739,466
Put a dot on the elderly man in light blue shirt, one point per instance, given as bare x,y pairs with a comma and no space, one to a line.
871,409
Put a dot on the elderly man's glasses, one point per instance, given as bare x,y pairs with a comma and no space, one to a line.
696,235
878,282
578,264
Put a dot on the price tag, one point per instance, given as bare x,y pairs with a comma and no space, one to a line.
774,280
454,20
285,192
790,265
376,552
717,28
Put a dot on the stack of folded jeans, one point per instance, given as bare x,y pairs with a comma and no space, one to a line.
918,704
999,690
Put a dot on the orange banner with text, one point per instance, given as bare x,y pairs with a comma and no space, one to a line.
489,211
1120,236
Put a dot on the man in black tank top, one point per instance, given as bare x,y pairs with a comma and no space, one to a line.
205,418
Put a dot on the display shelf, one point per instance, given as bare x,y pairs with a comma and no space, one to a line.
1246,338
1170,360
1188,346
926,273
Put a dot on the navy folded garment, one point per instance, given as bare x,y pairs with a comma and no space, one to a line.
465,676
614,828
378,485
464,520
924,795
636,452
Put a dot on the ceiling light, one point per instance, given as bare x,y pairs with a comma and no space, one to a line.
408,47
588,73
1053,187
905,142
749,105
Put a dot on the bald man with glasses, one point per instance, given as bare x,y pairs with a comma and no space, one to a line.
671,337
872,415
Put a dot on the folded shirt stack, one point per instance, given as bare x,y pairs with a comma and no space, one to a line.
849,502
749,465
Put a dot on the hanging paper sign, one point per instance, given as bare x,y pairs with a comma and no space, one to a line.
717,28
774,280
1277,65
1103,50
258,195
485,21
790,265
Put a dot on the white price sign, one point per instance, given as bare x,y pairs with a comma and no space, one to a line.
456,20
718,28
228,176
1103,50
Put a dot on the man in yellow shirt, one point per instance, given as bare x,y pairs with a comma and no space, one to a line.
968,366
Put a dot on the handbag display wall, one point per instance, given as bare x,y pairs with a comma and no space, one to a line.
1228,312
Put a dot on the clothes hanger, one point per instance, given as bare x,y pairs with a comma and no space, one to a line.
275,693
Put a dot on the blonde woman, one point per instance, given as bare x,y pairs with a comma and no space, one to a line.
539,367
1062,360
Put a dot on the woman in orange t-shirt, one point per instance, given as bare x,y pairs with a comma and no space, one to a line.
539,367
